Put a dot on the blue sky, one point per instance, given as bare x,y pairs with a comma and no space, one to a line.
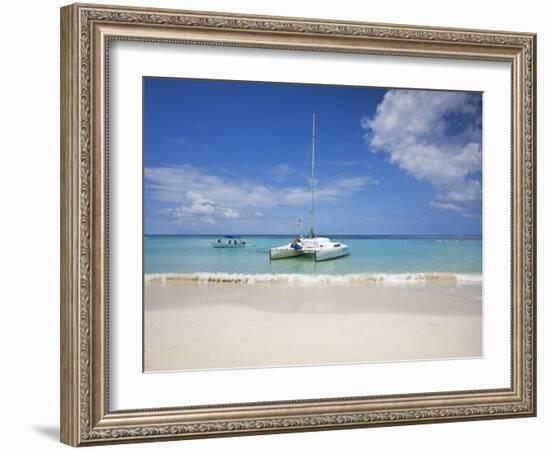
234,157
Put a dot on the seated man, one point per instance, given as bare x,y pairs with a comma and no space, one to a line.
296,244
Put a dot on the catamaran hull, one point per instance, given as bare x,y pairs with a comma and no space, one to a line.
284,252
331,253
317,255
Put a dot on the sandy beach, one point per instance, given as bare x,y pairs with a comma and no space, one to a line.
197,326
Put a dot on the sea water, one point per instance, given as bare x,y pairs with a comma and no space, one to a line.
398,258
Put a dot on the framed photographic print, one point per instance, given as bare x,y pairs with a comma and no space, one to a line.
276,224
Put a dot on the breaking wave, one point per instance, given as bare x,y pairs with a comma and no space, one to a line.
306,279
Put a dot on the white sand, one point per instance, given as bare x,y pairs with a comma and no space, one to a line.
193,326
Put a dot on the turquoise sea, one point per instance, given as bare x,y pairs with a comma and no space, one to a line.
383,256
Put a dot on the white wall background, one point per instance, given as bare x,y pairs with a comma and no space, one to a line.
29,223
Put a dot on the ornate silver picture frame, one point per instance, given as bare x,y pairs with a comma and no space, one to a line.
87,32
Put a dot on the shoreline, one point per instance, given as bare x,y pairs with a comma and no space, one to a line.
200,326
366,278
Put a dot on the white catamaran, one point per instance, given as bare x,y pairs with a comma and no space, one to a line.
320,248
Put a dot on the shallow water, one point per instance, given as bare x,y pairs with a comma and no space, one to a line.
369,255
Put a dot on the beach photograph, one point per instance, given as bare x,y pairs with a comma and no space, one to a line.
289,224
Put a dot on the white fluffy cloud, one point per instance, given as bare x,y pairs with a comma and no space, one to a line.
201,207
172,184
201,195
331,192
434,136
280,172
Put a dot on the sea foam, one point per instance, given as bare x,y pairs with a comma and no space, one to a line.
317,279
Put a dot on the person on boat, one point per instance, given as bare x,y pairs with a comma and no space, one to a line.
296,244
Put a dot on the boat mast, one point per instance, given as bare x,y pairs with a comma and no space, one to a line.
311,211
